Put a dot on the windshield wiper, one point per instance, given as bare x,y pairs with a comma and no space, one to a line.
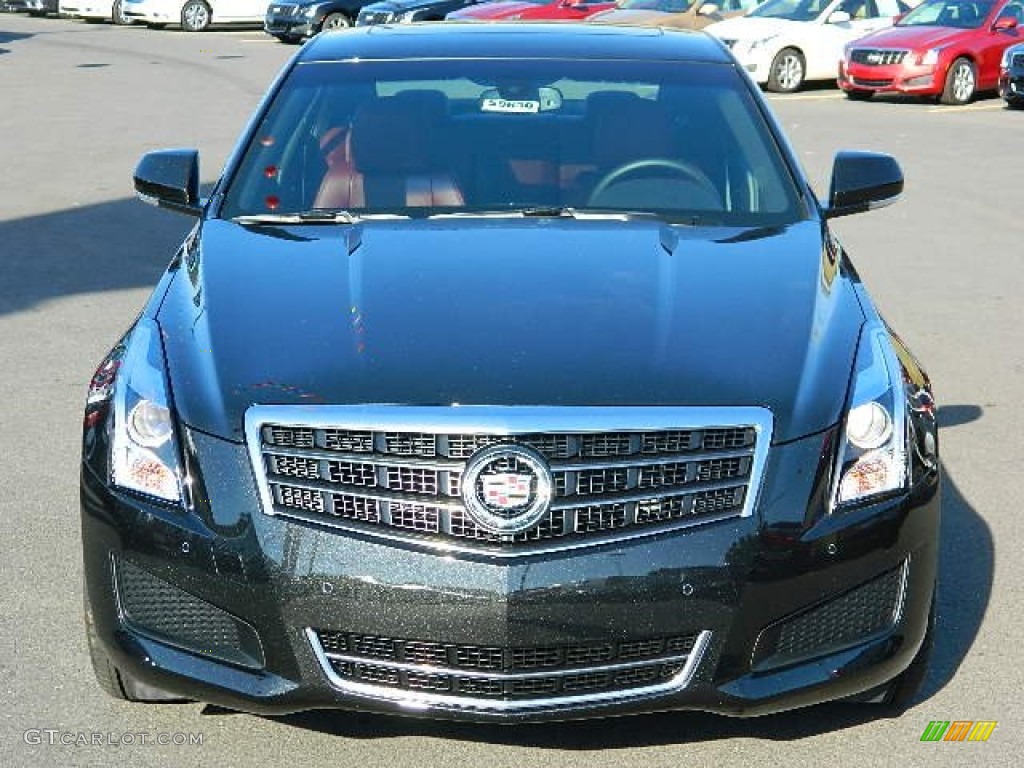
314,216
547,212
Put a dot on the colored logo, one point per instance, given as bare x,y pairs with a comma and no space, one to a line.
507,488
958,730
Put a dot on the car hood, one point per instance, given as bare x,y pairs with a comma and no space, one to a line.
639,18
914,38
520,312
754,28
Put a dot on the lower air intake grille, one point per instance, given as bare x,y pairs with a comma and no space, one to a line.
155,608
493,673
855,617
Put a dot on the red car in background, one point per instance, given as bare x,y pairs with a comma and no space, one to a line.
516,10
945,48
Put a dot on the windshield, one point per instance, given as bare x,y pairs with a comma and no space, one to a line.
668,6
961,14
793,10
685,142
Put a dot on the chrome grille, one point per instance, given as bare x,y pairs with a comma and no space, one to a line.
450,674
877,57
376,470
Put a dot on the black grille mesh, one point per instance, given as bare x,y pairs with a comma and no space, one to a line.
555,670
160,609
411,481
846,620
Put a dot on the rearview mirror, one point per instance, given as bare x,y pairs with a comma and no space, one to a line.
839,17
862,181
708,9
169,178
1005,23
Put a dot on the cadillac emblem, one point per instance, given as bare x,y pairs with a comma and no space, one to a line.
507,488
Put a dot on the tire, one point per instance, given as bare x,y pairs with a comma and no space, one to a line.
901,691
117,15
787,72
858,95
896,696
195,16
113,681
961,83
335,21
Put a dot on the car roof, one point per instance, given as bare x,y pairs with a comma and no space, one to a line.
556,40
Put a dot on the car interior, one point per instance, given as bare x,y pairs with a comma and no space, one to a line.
412,149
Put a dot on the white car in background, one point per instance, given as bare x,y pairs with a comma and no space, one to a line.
95,10
195,15
783,43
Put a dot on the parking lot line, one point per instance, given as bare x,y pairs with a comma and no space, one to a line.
806,96
968,108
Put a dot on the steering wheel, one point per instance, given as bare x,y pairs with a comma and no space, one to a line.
690,172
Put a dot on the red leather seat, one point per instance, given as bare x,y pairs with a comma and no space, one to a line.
390,158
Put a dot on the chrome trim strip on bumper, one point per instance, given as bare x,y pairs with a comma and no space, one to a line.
418,700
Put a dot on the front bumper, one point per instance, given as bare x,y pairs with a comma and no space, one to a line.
289,25
757,61
911,79
88,10
724,584
1011,86
30,6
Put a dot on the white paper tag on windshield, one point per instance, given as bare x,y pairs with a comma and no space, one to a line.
515,107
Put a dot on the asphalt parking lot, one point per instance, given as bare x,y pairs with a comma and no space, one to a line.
79,104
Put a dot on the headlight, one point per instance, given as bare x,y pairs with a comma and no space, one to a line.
930,57
755,44
873,451
143,446
1004,63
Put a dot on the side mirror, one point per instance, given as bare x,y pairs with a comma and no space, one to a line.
862,181
708,9
839,17
1005,24
169,178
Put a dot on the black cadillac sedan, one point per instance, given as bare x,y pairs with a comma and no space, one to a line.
511,373
1011,77
408,11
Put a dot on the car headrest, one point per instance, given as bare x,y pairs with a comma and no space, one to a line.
396,134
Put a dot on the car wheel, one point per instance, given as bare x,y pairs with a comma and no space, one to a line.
858,95
113,681
335,21
961,83
1015,103
898,694
787,71
195,16
903,689
117,15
